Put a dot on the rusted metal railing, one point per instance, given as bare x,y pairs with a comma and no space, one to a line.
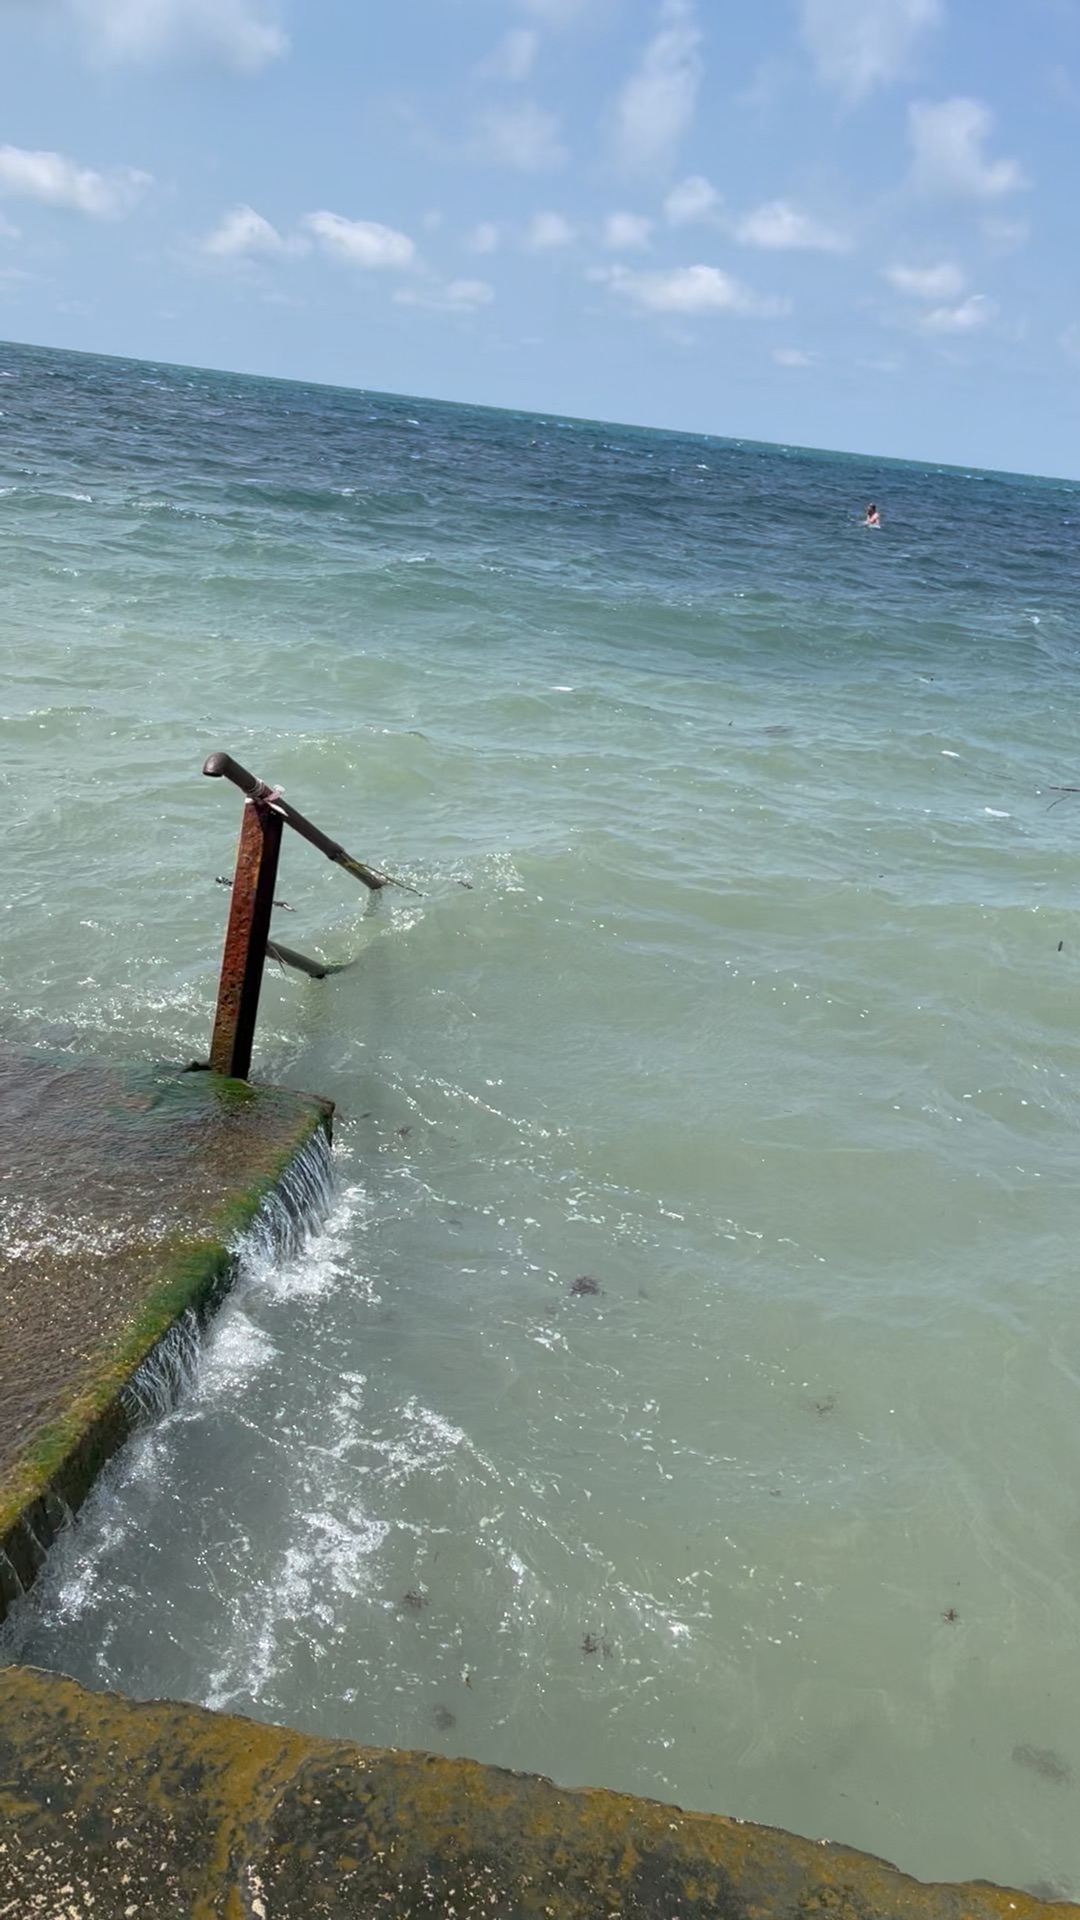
247,937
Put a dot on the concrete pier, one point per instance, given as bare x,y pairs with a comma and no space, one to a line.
121,1192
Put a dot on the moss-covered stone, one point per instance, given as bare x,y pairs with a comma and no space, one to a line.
111,1810
124,1189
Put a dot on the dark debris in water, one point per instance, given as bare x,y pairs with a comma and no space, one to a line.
1045,1762
443,1718
414,1601
590,1644
585,1284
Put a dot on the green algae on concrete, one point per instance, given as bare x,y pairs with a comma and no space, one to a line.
122,1191
156,1811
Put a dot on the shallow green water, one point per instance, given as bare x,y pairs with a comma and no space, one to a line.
742,980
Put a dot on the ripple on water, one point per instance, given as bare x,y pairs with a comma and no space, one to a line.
740,982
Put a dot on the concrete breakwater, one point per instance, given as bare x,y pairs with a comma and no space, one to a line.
124,1191
118,1811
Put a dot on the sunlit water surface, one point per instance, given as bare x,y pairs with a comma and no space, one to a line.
741,981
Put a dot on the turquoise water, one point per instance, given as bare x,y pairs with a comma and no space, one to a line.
741,979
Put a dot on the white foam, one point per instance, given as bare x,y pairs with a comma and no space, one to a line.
321,1264
236,1350
333,1556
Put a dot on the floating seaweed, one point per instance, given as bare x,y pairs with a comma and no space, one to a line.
1045,1762
590,1644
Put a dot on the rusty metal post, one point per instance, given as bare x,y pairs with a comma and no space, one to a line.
245,940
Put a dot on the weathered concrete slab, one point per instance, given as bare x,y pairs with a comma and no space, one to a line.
120,1192
118,1811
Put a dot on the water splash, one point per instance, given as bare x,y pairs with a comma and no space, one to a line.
166,1373
289,1215
11,1587
295,1208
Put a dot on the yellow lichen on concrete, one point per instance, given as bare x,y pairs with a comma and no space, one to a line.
114,1810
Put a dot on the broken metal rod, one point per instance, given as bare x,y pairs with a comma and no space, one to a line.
315,969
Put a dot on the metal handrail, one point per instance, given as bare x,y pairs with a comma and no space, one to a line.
221,765
247,936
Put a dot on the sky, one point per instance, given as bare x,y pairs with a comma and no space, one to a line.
831,223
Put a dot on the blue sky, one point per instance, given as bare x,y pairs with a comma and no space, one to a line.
839,223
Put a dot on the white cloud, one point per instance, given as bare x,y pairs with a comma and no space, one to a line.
626,232
524,137
688,290
656,105
779,227
470,293
793,357
942,284
242,232
974,312
1005,236
59,182
483,238
457,296
512,60
948,142
242,34
361,243
946,281
693,202
858,45
548,231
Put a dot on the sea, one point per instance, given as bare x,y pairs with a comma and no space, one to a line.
681,1393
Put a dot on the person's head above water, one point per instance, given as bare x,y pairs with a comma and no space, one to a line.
873,518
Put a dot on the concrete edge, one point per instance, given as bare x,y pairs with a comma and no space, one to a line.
52,1479
144,1809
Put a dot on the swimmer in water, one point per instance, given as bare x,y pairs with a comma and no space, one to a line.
873,517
